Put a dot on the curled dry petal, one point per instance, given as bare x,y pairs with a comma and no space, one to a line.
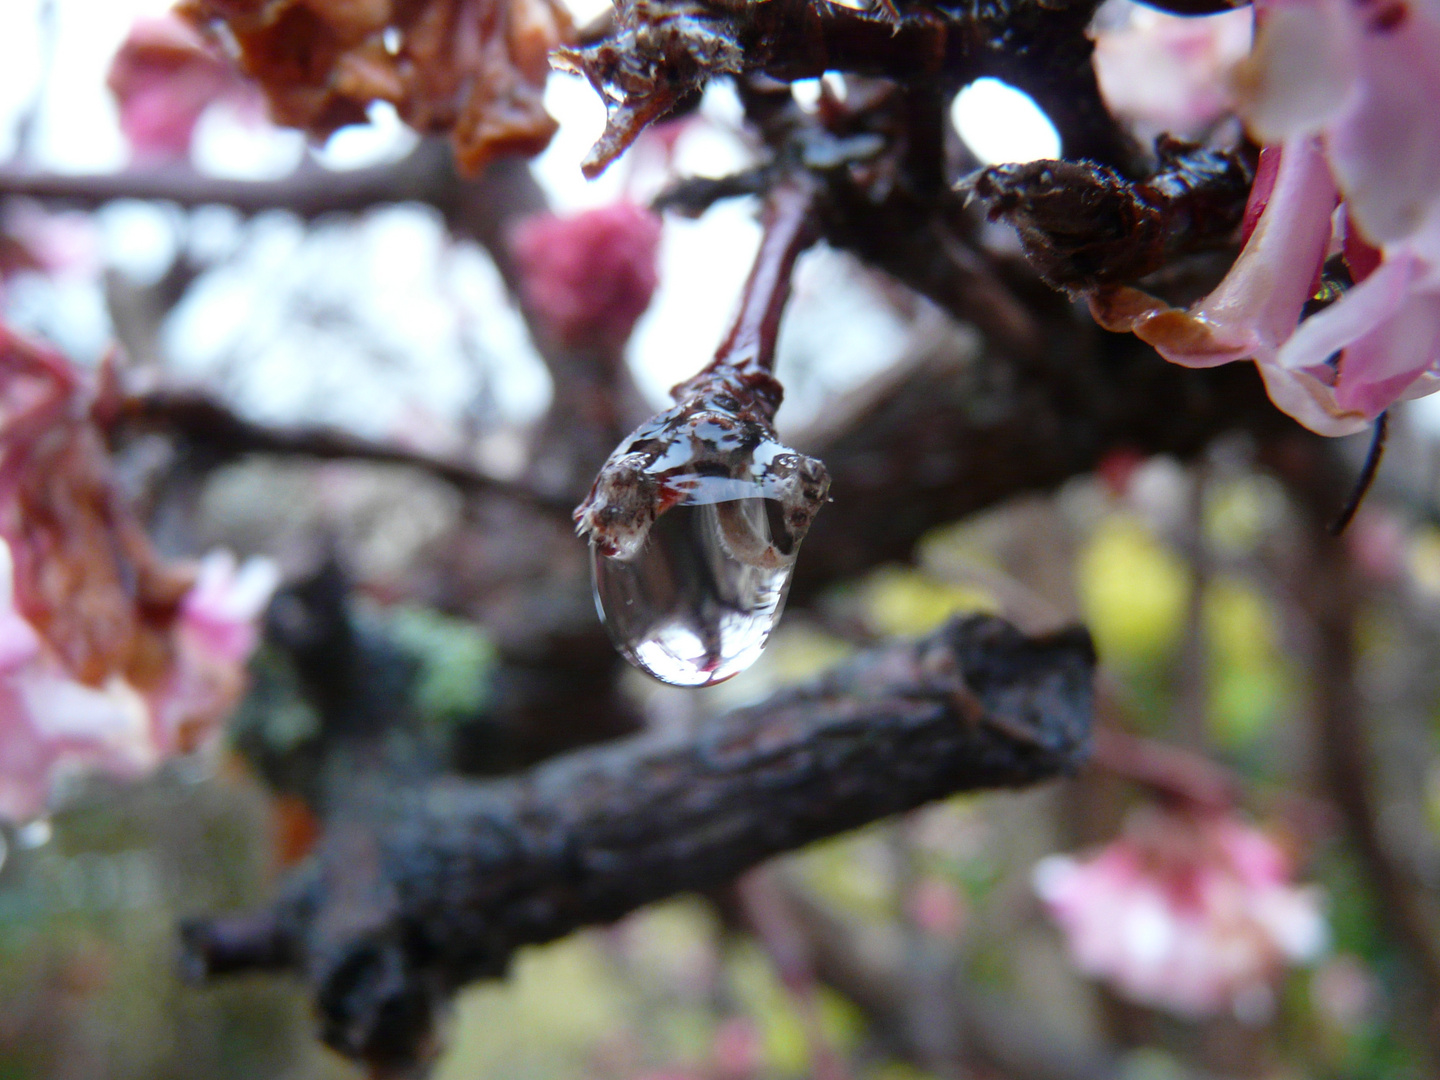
472,69
109,658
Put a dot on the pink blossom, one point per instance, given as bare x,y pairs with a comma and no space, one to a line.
219,614
50,724
62,242
587,279
738,1050
164,77
1193,914
1345,95
1165,73
217,630
110,659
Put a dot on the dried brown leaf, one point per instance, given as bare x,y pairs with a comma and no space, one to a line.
472,69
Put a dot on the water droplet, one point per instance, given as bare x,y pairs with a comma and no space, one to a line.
696,603
693,525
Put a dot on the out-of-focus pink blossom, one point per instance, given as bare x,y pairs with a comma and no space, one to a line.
738,1050
216,631
50,723
1376,540
163,77
1193,914
51,242
587,279
936,906
1167,73
220,613
110,660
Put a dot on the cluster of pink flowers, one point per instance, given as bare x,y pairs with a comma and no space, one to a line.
110,660
1193,913
588,278
1344,94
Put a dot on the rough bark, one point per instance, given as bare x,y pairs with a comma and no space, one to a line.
459,875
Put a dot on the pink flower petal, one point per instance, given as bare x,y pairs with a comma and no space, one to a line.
1356,313
1255,308
1302,396
1193,914
1378,368
1303,71
1385,149
588,278
1167,72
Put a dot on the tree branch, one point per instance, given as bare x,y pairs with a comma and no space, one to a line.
425,175
661,52
461,875
205,422
952,433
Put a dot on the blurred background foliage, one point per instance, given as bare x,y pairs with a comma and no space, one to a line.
1175,570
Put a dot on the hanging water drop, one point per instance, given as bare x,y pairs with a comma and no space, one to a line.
694,525
695,520
697,602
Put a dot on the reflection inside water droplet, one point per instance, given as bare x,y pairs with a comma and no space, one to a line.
696,603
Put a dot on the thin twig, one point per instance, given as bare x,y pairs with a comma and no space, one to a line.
203,421
1367,475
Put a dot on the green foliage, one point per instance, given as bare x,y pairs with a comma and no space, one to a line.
455,659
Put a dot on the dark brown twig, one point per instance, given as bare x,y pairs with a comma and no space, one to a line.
205,422
1169,770
425,175
1366,478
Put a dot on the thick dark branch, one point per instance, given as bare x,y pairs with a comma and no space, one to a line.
206,423
955,433
662,51
467,873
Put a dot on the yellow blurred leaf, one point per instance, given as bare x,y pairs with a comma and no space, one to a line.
1133,592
